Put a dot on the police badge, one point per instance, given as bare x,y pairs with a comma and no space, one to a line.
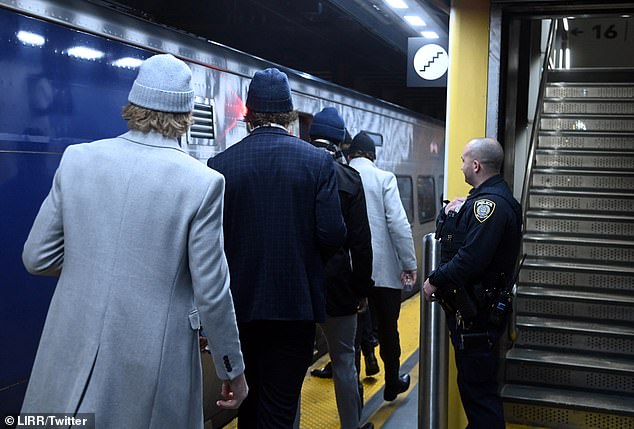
483,209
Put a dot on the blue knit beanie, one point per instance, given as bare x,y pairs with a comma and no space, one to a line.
362,143
163,84
328,124
269,92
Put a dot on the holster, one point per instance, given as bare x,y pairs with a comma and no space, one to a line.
456,299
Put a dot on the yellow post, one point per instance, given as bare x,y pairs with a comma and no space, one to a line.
466,119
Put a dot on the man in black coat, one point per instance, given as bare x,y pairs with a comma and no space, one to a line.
480,239
348,272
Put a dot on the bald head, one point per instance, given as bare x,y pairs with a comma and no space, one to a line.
481,159
488,152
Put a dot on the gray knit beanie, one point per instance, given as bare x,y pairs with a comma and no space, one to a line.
269,92
163,84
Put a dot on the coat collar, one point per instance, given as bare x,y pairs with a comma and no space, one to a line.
152,138
361,161
269,130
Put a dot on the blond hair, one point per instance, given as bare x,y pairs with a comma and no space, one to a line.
146,120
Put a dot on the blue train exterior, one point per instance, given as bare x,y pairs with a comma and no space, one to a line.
53,96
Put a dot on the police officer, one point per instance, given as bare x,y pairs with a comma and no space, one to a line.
480,238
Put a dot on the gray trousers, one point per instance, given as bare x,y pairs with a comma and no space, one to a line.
340,333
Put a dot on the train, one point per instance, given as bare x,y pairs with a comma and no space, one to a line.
67,67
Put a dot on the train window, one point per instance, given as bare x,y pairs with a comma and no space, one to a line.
203,127
406,192
304,126
378,138
426,198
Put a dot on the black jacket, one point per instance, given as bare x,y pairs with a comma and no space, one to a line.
482,238
349,271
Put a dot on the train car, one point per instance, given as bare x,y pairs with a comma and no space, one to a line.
67,67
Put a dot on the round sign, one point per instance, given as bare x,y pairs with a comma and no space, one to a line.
431,61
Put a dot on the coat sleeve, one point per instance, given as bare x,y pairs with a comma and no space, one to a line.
331,230
360,243
398,225
43,252
210,279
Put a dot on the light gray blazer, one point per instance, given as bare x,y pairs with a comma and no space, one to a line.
133,228
392,242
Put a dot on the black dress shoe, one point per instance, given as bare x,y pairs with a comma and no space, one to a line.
325,372
371,365
391,391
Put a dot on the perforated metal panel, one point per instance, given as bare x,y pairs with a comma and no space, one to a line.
614,204
567,107
577,141
617,161
575,309
548,338
557,417
587,124
597,228
589,91
576,279
604,252
578,181
583,378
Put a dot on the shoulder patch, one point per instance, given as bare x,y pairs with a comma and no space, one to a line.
483,209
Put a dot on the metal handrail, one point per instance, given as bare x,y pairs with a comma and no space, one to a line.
538,113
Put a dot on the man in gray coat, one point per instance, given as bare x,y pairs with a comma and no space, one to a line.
394,263
127,228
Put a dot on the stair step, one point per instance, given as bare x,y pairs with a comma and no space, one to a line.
623,124
593,337
574,159
574,304
585,140
589,90
554,368
578,249
537,272
567,409
588,106
562,223
589,180
570,200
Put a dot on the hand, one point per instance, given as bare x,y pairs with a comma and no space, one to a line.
428,290
202,343
408,277
453,204
233,392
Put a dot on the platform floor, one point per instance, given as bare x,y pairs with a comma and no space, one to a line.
319,410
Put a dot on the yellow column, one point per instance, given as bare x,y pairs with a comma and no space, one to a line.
466,119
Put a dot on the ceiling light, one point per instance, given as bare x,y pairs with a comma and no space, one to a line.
396,4
28,38
429,34
414,20
84,53
566,24
128,62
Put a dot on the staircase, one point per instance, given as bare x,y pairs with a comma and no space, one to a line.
572,365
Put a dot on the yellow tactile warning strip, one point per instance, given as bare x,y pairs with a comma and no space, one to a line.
319,409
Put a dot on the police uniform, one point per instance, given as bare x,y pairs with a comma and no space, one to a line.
479,248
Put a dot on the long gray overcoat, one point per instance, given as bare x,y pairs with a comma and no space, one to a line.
133,228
